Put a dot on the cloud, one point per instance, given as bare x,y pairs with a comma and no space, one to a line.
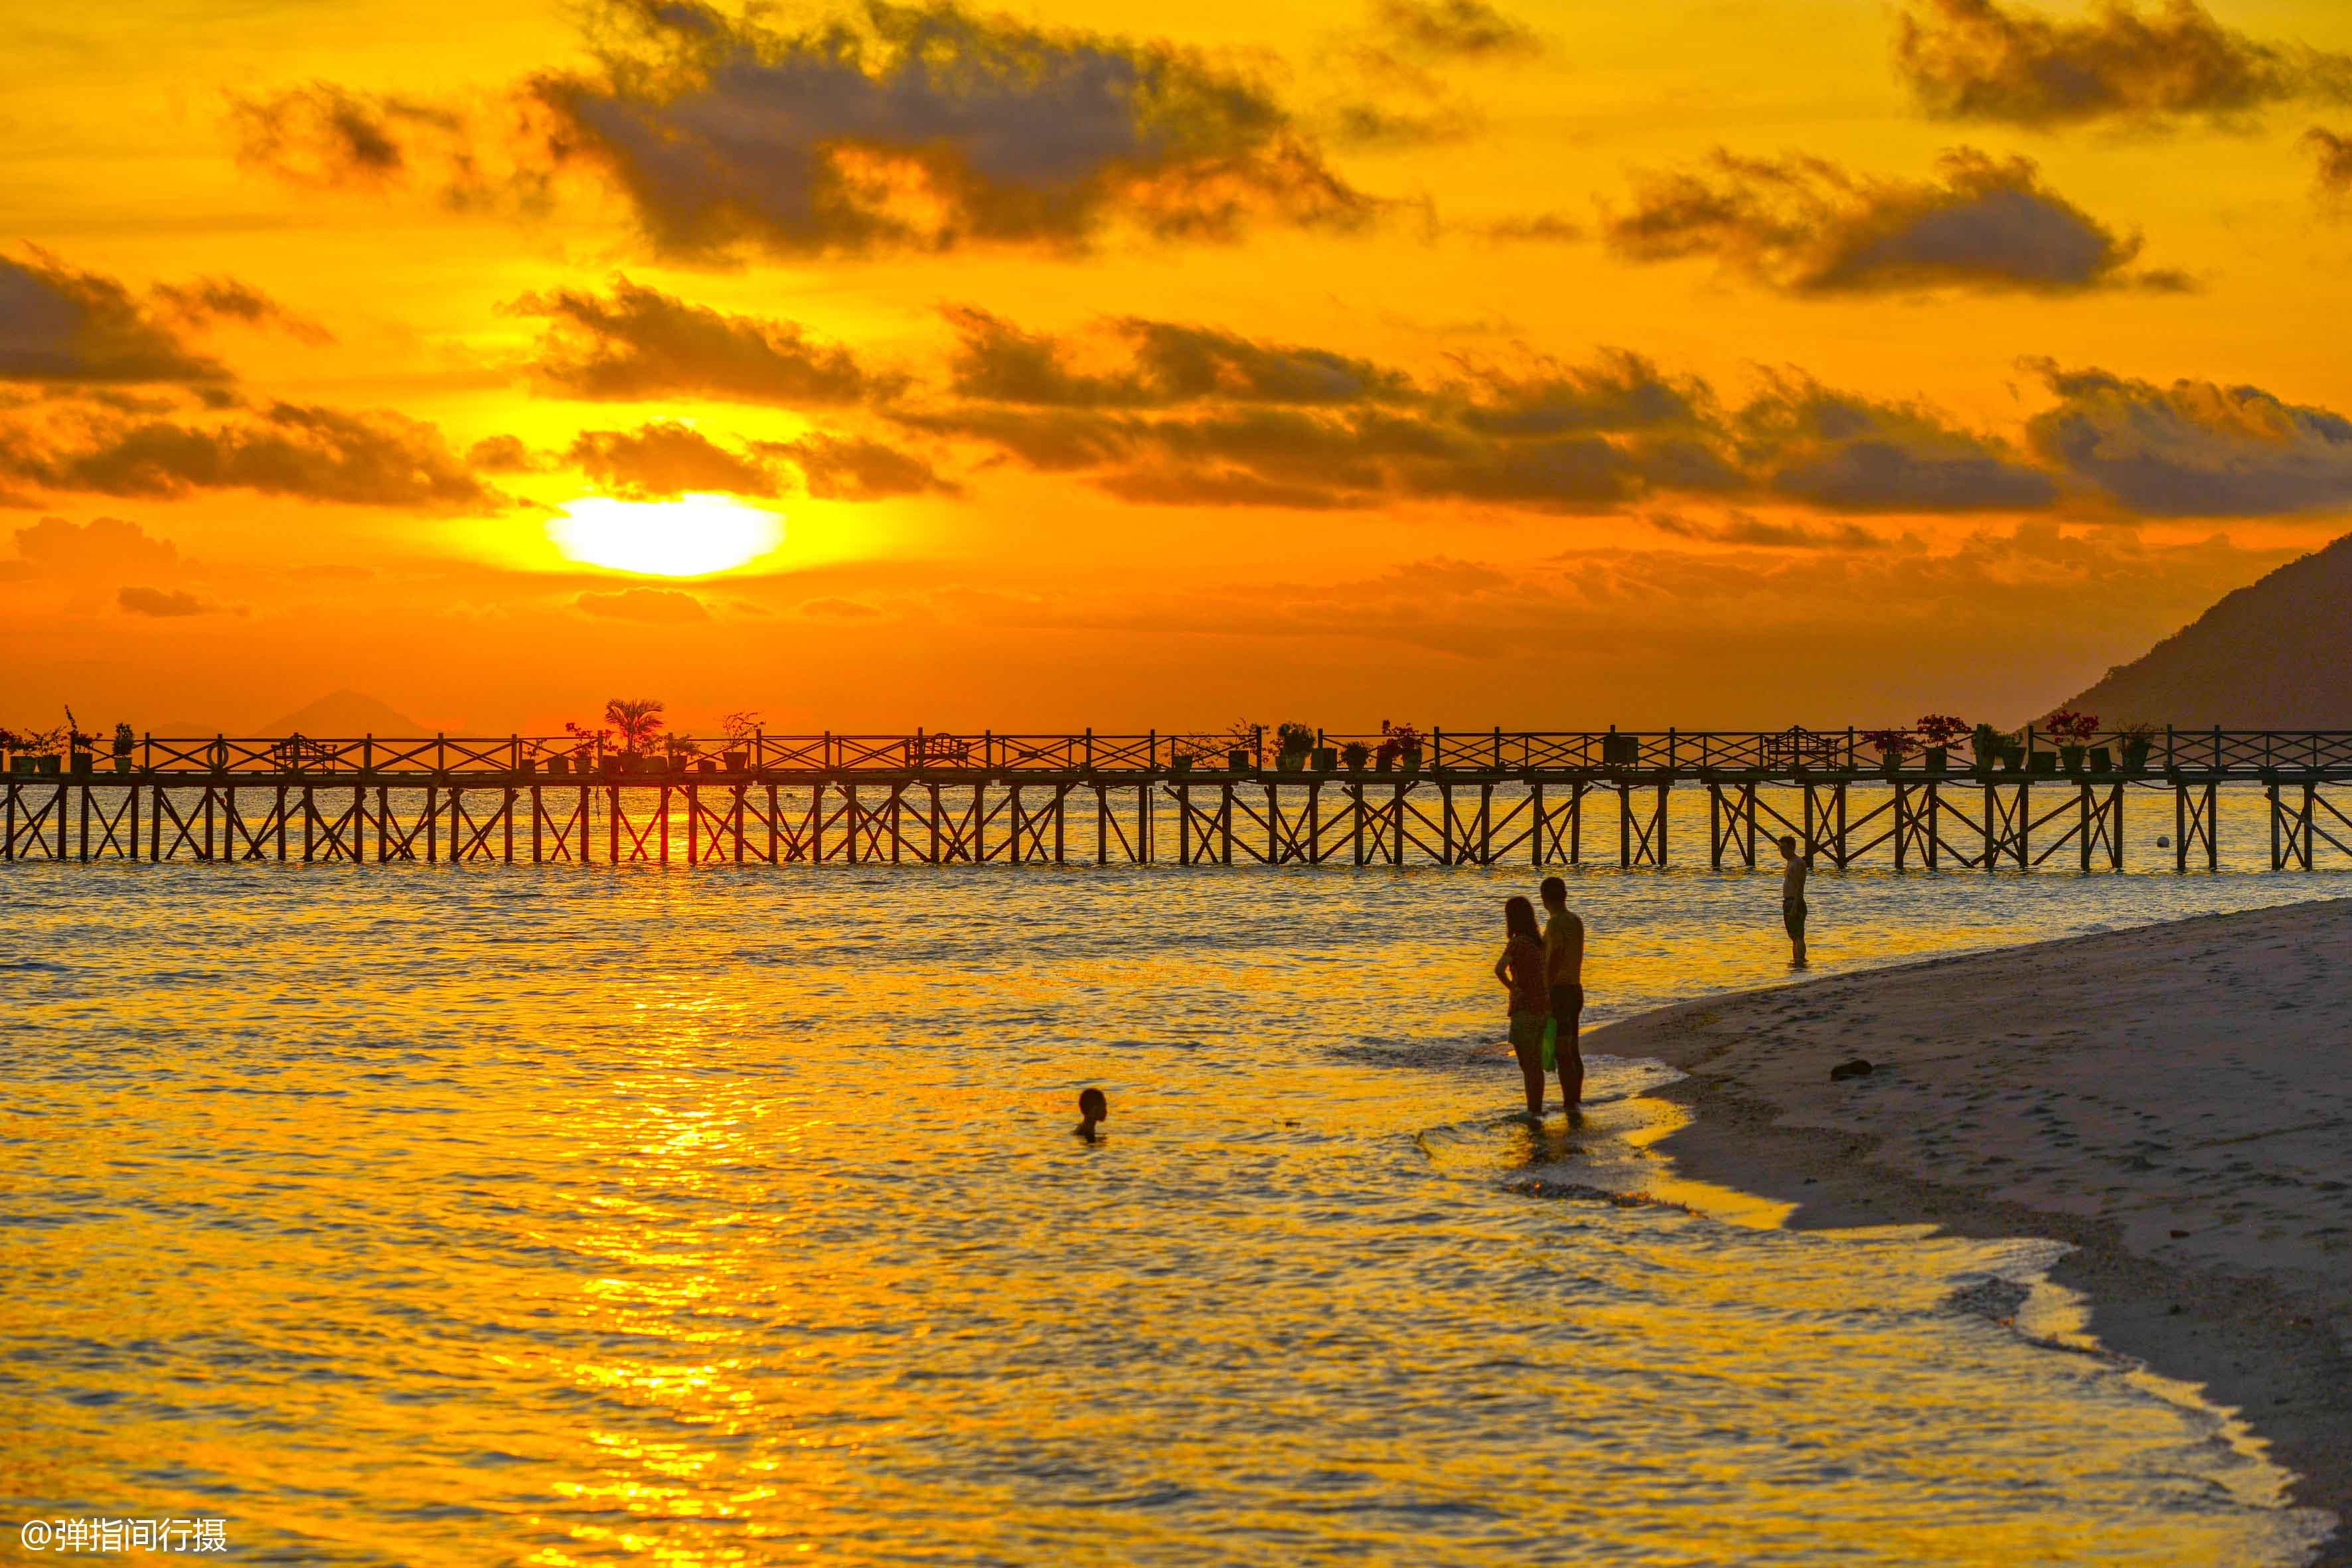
1979,59
1806,227
323,136
1179,416
162,603
212,300
503,455
924,127
640,344
1544,228
1454,29
2332,156
1843,452
665,458
58,325
854,468
1740,528
102,547
373,458
654,607
2193,448
837,609
1166,363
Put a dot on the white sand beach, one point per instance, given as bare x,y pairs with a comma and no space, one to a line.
2176,1100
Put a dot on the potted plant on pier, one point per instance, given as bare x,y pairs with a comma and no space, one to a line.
2070,732
125,743
1242,740
2137,738
1293,743
636,722
1939,732
1986,743
1400,747
1892,746
683,755
20,759
1356,754
740,728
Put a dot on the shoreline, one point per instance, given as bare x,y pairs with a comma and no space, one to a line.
2174,1101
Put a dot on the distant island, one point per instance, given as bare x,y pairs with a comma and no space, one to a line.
2275,655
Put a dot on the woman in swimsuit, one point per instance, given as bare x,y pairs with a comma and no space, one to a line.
1524,973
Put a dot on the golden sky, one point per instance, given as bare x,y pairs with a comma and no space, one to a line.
1706,365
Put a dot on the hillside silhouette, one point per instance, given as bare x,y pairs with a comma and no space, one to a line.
345,712
2275,655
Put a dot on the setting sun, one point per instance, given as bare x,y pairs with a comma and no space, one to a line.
690,537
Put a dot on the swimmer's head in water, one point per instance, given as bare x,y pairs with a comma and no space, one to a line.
1555,893
1093,1106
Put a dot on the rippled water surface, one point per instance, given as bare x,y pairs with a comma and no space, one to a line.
455,1217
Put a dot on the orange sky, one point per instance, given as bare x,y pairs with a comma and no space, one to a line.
1687,363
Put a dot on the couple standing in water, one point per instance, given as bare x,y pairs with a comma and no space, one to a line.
1543,972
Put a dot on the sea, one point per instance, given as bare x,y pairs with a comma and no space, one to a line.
480,1215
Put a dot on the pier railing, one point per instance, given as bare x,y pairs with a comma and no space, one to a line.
2238,753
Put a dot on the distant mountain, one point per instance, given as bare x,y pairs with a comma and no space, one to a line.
2275,655
342,713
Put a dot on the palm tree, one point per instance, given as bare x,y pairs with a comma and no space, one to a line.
634,719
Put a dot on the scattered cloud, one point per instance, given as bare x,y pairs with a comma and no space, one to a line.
208,300
664,459
162,603
637,344
1165,363
856,469
1556,229
2193,448
2332,157
1806,227
654,607
503,455
1743,529
102,547
59,325
1982,59
1843,452
372,457
1454,29
837,609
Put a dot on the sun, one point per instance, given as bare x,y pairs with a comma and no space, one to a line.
692,536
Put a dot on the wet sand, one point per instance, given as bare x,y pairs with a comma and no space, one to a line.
2175,1100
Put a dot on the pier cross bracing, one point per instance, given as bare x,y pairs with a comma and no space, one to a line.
1458,798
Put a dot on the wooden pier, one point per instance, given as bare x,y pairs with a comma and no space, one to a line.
1482,798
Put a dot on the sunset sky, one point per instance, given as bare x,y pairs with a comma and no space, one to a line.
1708,365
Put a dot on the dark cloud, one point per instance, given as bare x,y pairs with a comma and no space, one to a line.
503,455
62,326
211,299
2193,448
640,344
371,459
1545,227
1981,59
104,546
1163,363
654,607
1454,29
664,459
1806,227
2332,157
1740,528
322,135
1181,416
160,602
926,127
1847,453
854,468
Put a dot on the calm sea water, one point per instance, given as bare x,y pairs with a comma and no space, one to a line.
484,1216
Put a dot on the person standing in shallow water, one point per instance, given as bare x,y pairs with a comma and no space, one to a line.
1525,975
1793,897
1563,939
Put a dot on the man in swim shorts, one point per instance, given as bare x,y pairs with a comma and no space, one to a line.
1793,898
1564,970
